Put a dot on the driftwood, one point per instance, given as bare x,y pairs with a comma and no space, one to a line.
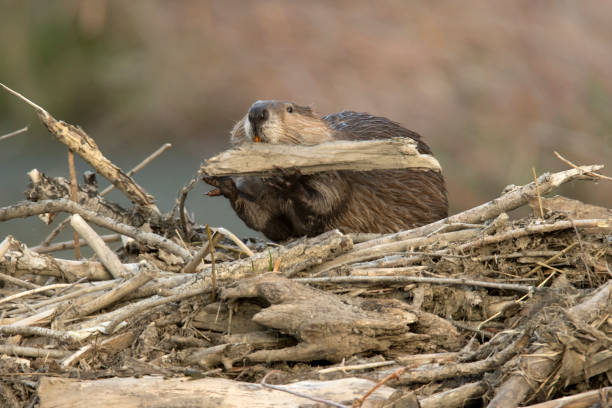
254,159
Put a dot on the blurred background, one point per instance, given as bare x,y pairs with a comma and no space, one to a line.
494,87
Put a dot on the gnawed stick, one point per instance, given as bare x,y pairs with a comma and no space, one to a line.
257,159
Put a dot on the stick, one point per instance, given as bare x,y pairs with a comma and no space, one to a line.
116,294
235,239
108,258
416,279
18,282
213,274
32,292
141,165
535,180
15,133
73,196
197,258
65,336
563,159
60,246
12,350
255,158
27,209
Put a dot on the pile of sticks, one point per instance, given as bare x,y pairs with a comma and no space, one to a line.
475,307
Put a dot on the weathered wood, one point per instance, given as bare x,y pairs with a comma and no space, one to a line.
327,326
203,393
262,158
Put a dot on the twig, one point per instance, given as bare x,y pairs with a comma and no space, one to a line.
235,239
191,266
18,282
28,209
552,258
96,287
264,384
593,174
141,165
213,274
73,196
382,382
60,246
33,292
108,258
15,133
183,196
535,180
364,366
134,170
415,279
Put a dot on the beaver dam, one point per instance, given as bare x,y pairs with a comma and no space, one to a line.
477,309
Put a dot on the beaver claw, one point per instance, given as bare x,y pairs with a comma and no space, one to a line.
225,186
286,179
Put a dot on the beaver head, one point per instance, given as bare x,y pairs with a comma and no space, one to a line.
279,122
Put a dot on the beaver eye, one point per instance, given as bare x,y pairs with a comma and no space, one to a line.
290,109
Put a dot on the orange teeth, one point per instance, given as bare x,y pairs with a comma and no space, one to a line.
256,139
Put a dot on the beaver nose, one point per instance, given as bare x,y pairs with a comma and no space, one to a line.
258,114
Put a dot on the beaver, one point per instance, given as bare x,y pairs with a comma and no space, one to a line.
289,204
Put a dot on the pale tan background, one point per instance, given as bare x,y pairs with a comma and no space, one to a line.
494,87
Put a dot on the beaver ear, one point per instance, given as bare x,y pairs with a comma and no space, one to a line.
304,110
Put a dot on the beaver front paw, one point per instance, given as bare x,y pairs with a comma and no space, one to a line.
286,180
225,187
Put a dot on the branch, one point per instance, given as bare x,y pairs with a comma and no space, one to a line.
255,159
28,209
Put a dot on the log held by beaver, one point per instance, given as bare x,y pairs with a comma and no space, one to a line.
290,204
254,159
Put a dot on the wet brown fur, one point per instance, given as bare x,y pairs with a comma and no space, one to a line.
380,201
